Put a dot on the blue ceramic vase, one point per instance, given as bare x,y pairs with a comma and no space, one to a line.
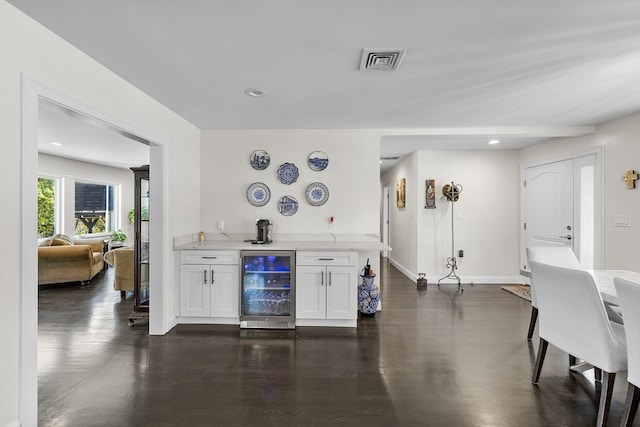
368,296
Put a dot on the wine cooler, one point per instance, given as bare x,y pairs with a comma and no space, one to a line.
267,295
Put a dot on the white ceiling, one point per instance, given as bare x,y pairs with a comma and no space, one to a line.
473,69
69,134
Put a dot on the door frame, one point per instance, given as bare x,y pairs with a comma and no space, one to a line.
32,92
599,185
385,219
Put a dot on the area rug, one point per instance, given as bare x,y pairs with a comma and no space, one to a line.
521,291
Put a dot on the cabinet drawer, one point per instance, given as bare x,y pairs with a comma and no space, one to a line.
210,257
326,258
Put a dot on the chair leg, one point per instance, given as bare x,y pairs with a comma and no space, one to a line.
597,374
631,405
605,398
532,322
542,352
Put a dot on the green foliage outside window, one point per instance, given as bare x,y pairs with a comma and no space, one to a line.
46,207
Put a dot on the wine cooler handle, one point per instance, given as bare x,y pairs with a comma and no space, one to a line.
212,276
205,276
322,278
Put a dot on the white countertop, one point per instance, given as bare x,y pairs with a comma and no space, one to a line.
291,245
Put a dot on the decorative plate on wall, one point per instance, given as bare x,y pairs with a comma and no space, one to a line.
288,173
318,161
316,194
287,205
258,194
260,160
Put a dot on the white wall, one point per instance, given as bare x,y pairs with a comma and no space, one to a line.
351,177
621,141
73,170
402,221
29,49
486,217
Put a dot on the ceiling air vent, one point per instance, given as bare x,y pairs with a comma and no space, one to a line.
381,59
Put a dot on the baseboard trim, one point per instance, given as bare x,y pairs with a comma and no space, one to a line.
476,280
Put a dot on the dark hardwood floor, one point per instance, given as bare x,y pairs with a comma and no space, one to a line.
434,358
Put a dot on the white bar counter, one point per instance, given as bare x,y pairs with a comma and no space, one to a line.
286,242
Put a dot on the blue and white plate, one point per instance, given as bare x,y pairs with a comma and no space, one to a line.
318,161
258,194
260,160
288,173
316,194
288,205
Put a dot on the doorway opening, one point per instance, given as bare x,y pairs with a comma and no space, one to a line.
32,94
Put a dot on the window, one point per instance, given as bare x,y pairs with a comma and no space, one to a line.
46,207
94,208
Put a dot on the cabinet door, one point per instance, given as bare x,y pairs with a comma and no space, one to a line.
195,294
342,293
225,288
311,294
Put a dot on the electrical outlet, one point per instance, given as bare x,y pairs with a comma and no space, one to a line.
220,225
622,221
460,253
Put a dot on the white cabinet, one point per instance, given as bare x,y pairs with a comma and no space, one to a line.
209,284
327,287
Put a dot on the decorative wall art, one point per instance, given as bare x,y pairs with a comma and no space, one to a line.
318,161
401,192
260,160
258,194
316,194
288,173
288,205
630,177
430,196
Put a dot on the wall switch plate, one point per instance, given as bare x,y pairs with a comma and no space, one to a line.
220,225
622,221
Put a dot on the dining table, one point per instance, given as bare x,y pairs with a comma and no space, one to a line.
604,282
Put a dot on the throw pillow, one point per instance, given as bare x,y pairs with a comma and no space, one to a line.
61,240
45,242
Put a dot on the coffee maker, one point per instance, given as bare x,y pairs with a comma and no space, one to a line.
263,232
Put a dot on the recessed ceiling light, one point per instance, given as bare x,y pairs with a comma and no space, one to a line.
57,144
255,93
494,142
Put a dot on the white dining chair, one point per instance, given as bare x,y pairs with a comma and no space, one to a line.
573,319
562,256
629,296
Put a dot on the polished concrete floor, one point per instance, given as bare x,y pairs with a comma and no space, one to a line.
430,358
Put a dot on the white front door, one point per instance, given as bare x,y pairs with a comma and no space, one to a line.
549,205
563,207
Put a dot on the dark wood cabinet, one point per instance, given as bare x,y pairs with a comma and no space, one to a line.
141,245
